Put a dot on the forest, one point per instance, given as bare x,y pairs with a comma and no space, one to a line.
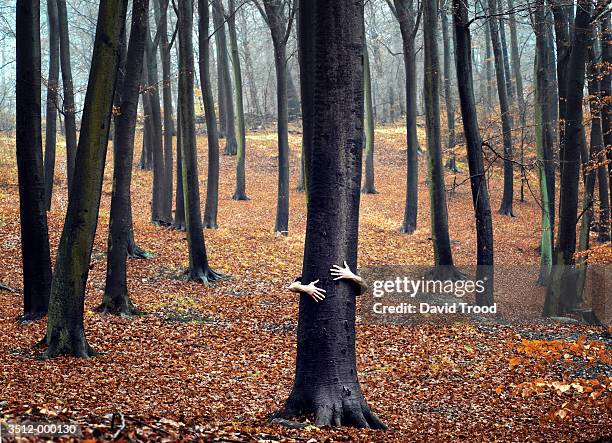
305,220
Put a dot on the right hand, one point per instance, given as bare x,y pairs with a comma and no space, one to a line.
318,294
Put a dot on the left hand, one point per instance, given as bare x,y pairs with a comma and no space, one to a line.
340,272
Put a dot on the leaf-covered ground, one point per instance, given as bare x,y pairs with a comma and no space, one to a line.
214,362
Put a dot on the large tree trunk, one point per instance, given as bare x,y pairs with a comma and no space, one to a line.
199,269
404,11
159,214
331,50
443,256
65,329
212,187
561,295
52,85
116,299
226,81
506,118
33,216
544,132
240,192
478,180
69,105
606,93
368,184
563,46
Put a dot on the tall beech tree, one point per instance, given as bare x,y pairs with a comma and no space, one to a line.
404,12
65,329
544,132
478,180
504,106
240,192
116,298
179,212
279,15
69,108
199,269
561,294
331,50
368,184
212,183
447,42
32,210
443,256
606,93
52,85
225,82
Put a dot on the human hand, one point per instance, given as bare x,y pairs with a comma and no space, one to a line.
342,273
317,294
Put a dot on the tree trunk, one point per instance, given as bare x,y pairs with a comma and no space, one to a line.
199,269
447,39
544,132
478,180
212,187
158,214
116,298
161,14
179,213
488,68
240,192
52,85
443,256
33,216
65,330
69,105
606,92
406,19
502,92
504,49
223,60
563,46
561,295
368,184
326,382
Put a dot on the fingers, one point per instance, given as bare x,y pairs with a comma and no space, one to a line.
345,265
317,296
314,282
339,277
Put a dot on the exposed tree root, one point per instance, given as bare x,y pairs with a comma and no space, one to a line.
369,191
121,306
3,287
30,317
210,225
136,252
407,228
506,211
178,226
206,276
70,343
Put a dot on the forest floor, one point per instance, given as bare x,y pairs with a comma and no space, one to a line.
214,362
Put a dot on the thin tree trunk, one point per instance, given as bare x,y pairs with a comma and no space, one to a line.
223,60
179,213
52,85
478,180
504,49
69,105
199,269
368,184
448,94
502,92
116,297
240,192
606,93
212,187
326,382
33,216
65,329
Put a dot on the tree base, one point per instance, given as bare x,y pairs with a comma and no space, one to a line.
210,225
136,252
230,148
205,276
407,228
69,343
335,406
300,188
369,191
240,196
123,308
30,317
161,222
180,226
444,273
506,211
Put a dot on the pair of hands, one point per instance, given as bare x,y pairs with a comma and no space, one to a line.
338,272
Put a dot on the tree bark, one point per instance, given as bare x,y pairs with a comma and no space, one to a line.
240,192
606,93
561,295
199,269
447,39
69,105
65,329
179,213
226,84
33,216
52,85
478,180
212,186
331,50
368,184
506,118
